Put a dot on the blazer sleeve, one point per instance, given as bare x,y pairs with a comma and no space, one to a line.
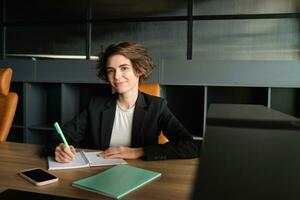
181,143
74,132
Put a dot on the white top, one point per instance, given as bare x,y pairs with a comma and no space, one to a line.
121,132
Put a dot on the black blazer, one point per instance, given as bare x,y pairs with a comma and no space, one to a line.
92,128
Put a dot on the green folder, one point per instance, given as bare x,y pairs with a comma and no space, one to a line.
117,181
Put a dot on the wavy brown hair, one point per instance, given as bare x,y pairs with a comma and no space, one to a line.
138,55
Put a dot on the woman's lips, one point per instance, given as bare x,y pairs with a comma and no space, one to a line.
119,83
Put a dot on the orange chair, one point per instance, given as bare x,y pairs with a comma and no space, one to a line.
8,103
153,89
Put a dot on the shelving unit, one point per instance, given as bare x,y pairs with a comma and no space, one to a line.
46,98
17,130
76,97
187,104
237,95
286,100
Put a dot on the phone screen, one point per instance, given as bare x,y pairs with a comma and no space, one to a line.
38,175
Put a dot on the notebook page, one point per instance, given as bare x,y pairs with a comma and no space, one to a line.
78,162
95,160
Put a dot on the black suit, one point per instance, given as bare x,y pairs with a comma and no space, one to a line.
92,128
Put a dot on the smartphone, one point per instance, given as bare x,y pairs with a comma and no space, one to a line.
38,176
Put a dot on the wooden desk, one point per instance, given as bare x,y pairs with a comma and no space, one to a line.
176,181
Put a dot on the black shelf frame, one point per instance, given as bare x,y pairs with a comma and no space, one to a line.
153,19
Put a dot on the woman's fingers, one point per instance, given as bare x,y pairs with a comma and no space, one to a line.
123,152
64,154
112,151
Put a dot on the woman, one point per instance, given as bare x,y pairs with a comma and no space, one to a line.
126,124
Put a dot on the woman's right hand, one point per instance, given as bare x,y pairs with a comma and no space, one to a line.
64,154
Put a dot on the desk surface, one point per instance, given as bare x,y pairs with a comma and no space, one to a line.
176,181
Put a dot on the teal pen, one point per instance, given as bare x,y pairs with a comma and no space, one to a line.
59,131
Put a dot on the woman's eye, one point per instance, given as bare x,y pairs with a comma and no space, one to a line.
109,71
124,68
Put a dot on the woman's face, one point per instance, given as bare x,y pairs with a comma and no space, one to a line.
121,75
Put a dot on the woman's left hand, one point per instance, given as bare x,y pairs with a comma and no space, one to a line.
122,152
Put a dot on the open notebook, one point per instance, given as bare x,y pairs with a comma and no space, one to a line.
84,159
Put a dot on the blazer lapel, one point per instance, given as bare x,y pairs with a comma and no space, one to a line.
138,120
107,122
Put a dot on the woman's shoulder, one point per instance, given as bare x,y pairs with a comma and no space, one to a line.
150,99
102,101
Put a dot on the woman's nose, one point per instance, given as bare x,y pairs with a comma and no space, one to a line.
118,74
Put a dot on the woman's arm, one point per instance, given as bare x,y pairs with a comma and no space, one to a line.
181,144
123,152
74,132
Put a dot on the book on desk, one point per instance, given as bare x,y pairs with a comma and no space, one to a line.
117,181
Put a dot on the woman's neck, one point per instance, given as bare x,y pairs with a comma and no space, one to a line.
128,100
